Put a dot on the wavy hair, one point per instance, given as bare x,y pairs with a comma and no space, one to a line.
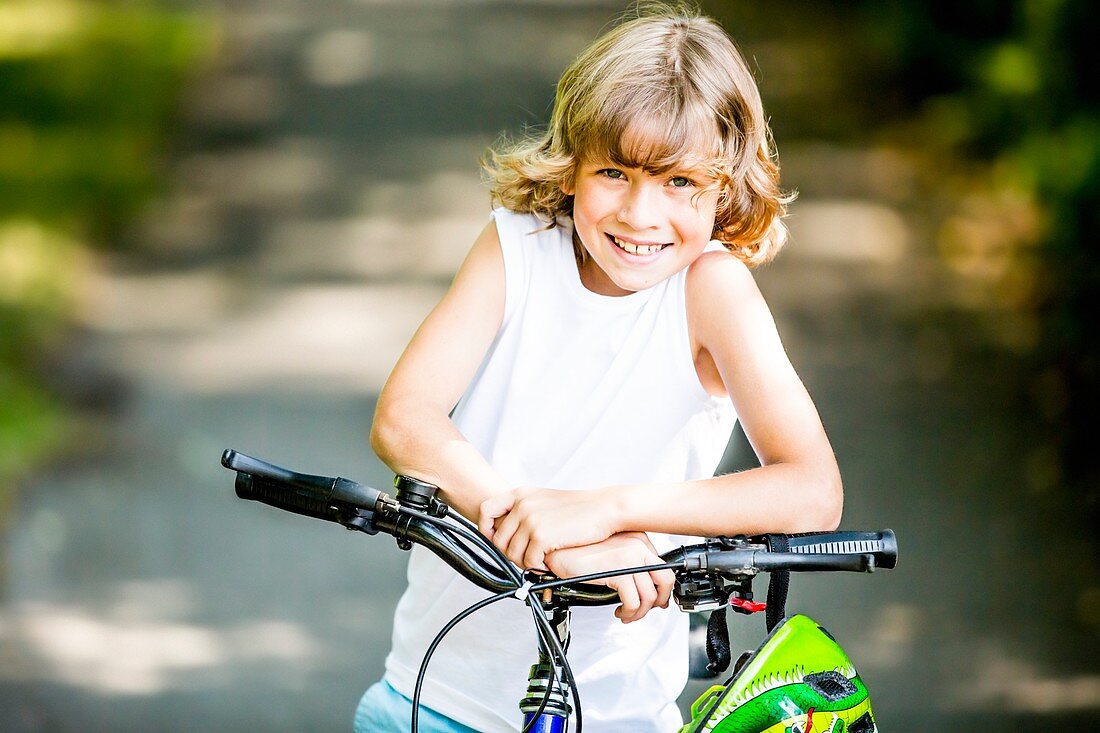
665,88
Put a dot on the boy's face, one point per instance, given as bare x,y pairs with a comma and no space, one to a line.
638,228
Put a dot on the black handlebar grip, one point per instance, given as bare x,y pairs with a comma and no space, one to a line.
771,561
306,486
882,545
285,497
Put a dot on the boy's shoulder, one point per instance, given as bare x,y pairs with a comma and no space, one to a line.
715,271
721,297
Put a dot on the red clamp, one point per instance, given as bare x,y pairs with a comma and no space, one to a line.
747,606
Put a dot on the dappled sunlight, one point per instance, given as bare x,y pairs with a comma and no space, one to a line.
211,330
1056,695
132,649
171,302
339,57
377,247
28,28
322,338
848,230
989,243
427,48
441,194
280,175
115,657
1000,679
279,641
40,268
841,250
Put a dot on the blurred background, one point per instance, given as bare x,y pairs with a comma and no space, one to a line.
220,223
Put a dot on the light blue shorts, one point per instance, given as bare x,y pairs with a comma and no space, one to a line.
385,710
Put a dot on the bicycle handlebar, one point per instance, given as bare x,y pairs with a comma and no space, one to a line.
369,510
269,483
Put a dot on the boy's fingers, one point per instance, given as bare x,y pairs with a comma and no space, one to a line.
533,558
485,524
516,546
664,580
503,533
628,595
491,509
647,594
485,517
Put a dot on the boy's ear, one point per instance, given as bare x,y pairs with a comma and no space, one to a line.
568,185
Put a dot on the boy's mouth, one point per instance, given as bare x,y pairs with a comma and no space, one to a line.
636,249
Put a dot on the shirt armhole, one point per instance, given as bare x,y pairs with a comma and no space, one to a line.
511,247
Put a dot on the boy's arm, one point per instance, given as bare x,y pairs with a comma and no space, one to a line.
412,432
796,489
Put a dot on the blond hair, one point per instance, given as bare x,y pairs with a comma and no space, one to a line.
663,89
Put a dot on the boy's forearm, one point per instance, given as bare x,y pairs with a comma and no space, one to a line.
425,444
781,497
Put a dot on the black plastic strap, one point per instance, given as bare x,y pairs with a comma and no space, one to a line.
718,642
778,583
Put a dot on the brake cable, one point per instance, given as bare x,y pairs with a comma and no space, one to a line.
542,624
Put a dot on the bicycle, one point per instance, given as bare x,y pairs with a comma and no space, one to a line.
798,680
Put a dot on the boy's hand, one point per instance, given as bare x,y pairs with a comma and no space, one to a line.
526,523
639,592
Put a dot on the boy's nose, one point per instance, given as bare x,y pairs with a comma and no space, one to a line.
640,208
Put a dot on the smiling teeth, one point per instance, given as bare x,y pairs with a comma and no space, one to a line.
637,249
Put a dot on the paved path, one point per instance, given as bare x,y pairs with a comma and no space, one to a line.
325,191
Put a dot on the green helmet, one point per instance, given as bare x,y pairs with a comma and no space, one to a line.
798,681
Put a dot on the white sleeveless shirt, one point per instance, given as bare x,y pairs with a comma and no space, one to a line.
577,391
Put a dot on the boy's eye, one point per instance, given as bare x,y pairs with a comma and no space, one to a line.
680,182
611,173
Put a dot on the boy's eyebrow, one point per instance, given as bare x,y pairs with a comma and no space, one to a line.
695,171
692,168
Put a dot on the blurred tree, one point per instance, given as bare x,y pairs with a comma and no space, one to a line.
88,95
1010,86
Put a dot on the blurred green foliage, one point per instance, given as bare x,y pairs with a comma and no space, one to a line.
1011,83
88,96
1004,95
